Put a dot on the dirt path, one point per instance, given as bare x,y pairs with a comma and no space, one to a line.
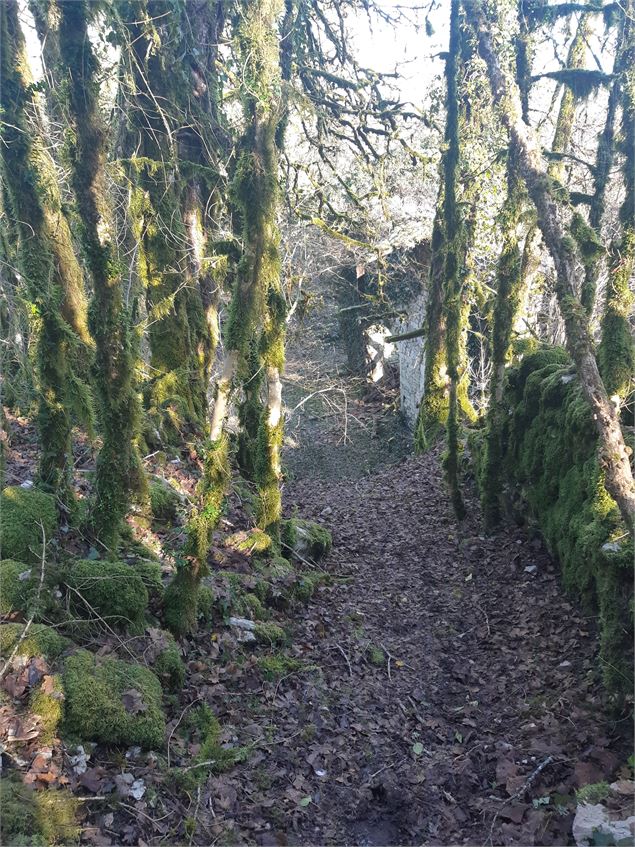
487,674
447,691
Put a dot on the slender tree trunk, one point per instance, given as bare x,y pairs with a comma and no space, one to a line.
453,286
616,353
47,258
524,143
433,411
118,464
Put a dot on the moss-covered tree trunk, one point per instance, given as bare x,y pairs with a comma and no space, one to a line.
616,353
453,283
433,410
160,102
526,146
48,262
118,467
509,284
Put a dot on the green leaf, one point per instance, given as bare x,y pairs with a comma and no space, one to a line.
305,801
417,748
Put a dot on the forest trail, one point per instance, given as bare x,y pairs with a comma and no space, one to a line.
440,672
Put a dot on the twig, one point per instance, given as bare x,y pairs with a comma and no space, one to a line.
524,787
8,662
175,727
348,661
389,654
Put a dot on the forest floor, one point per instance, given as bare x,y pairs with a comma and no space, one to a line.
440,687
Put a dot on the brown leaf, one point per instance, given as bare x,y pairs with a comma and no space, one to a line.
133,701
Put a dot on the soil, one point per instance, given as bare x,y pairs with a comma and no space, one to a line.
446,690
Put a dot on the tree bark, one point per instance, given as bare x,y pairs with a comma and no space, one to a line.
524,142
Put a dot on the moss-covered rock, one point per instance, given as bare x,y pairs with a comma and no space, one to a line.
112,590
14,592
40,640
112,701
164,501
305,539
25,515
37,818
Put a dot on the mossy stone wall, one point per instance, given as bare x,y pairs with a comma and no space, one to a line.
549,451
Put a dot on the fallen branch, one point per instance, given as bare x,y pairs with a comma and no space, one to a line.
405,336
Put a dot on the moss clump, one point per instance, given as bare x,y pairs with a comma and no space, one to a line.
40,640
275,666
37,818
169,666
270,633
164,501
249,541
305,539
24,513
180,602
212,756
14,592
112,701
250,605
593,793
205,604
112,590
304,588
376,656
48,705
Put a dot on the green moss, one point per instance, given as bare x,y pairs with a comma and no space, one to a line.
164,501
180,602
112,590
48,705
302,590
250,605
549,450
249,541
37,818
276,665
593,793
376,656
169,666
40,640
305,538
112,701
212,756
25,515
206,602
151,576
14,592
270,633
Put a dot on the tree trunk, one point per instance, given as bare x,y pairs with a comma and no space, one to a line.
118,464
524,143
